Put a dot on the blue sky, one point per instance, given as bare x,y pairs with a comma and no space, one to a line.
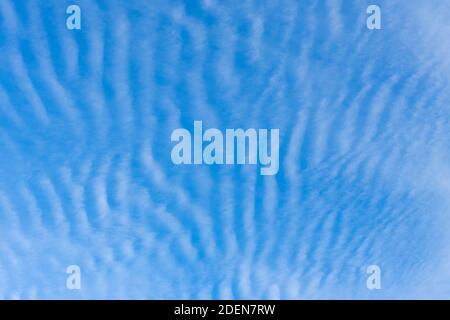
86,177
